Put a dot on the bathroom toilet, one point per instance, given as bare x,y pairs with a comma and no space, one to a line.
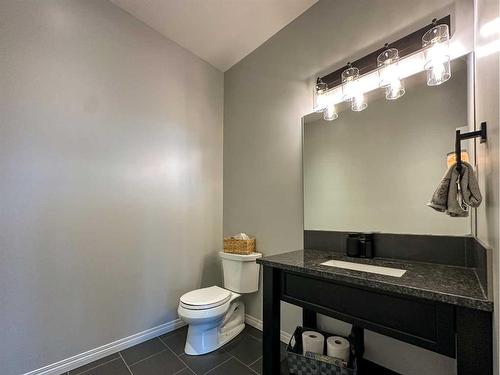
216,315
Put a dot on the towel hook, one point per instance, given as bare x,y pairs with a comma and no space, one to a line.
460,137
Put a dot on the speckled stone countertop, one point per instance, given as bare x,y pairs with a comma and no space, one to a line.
437,282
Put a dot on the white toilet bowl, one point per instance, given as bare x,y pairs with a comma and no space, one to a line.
216,315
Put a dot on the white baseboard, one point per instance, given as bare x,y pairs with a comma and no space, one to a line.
92,355
257,323
97,353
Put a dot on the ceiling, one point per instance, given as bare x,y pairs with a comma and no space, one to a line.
221,32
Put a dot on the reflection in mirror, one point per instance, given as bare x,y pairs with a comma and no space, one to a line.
376,170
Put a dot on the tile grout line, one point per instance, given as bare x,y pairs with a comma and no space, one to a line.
213,368
178,372
254,362
92,368
248,367
220,364
148,357
177,356
126,365
185,364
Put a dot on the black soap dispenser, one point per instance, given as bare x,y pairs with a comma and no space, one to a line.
366,245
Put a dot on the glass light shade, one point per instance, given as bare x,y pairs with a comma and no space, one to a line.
451,158
387,64
319,96
319,104
330,113
350,84
395,90
359,102
437,55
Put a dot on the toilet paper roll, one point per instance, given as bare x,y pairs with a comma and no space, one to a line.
338,347
313,342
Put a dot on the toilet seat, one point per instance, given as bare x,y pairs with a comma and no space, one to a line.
205,298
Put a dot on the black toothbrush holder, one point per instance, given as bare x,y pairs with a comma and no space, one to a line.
359,245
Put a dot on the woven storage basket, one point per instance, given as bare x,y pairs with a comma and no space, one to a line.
299,364
237,246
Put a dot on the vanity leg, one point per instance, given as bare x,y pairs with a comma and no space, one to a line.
474,342
358,337
309,319
271,321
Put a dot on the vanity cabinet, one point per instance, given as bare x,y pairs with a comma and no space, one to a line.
427,324
456,323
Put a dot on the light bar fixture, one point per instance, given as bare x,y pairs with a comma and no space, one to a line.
386,68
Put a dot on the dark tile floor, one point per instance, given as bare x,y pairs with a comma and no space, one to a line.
164,355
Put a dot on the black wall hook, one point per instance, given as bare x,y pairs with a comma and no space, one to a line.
460,137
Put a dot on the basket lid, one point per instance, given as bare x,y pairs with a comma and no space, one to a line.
240,257
206,296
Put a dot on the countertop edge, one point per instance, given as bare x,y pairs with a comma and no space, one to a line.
456,300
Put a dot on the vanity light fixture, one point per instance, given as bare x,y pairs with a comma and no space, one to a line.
387,67
388,72
319,95
351,90
330,112
436,41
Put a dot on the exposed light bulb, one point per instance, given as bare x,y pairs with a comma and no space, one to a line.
330,112
436,73
389,75
350,83
437,55
394,90
320,99
359,102
320,103
349,90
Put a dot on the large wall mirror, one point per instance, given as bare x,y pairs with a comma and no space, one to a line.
376,170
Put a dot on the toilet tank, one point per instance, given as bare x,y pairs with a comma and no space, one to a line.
241,272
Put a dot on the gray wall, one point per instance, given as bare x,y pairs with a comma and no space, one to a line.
376,170
487,109
265,96
111,178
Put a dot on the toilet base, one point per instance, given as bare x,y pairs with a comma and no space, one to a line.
202,339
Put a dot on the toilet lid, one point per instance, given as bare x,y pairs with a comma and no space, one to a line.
205,298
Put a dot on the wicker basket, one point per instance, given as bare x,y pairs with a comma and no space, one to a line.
237,246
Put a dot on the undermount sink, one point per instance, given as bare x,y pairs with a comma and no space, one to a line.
387,271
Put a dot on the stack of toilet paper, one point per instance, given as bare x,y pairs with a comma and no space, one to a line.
336,346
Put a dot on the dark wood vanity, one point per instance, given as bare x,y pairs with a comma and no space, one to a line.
439,307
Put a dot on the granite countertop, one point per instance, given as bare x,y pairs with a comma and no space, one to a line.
448,284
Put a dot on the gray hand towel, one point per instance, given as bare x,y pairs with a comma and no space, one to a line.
456,192
456,206
470,188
